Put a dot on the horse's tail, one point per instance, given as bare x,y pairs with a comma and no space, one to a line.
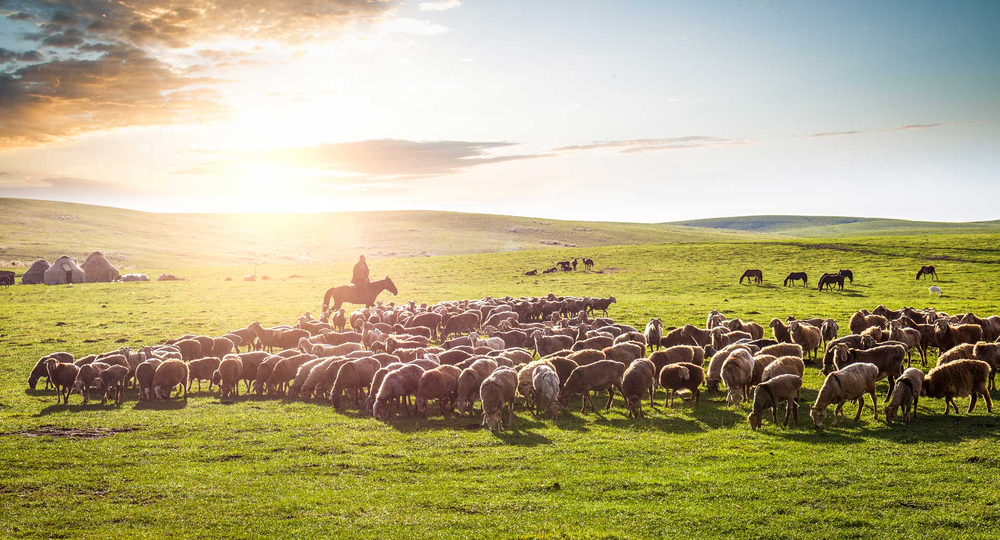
326,299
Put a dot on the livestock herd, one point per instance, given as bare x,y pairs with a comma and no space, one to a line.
547,350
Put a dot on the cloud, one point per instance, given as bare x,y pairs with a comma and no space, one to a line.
123,87
439,5
405,25
655,145
883,130
58,187
13,56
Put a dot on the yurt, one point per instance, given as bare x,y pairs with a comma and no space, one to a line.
64,270
98,269
36,274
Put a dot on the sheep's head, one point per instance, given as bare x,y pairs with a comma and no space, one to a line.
818,415
890,412
634,405
463,405
712,385
755,419
422,406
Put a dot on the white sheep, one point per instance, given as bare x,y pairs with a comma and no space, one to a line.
936,290
545,383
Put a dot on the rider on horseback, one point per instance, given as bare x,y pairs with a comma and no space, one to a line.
360,278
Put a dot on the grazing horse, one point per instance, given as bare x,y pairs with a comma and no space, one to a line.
354,295
795,276
755,275
847,274
830,280
588,264
927,271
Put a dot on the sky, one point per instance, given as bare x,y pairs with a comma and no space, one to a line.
644,111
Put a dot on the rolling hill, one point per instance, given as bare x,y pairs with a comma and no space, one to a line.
836,226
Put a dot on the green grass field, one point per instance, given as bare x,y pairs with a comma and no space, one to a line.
270,468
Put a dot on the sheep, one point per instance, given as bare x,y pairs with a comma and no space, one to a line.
585,356
807,336
546,345
222,346
597,342
653,333
302,375
463,322
989,353
264,372
781,333
631,337
111,383
830,329
721,338
460,341
737,374
169,375
516,356
861,321
338,320
38,372
284,372
85,379
934,289
905,394
854,341
355,376
785,364
564,367
625,352
760,363
965,351
525,378
715,365
440,383
545,388
601,375
202,369
681,376
251,362
636,382
469,382
909,337
227,376
959,379
377,383
783,349
494,343
400,383
949,335
848,384
770,394
875,332
144,374
430,320
190,349
714,319
62,375
497,393
887,358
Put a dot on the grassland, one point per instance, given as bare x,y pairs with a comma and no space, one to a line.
838,226
268,468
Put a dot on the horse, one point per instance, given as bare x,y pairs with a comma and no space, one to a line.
756,275
927,271
564,266
795,276
351,294
830,280
847,274
531,272
588,264
550,270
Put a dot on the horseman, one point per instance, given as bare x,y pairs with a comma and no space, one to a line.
360,278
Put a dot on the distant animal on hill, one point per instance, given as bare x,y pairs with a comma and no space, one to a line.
6,278
752,276
531,272
574,263
829,280
565,266
550,270
927,271
847,274
796,276
936,290
588,264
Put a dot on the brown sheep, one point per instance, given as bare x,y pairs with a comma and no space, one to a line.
354,377
469,382
401,383
854,341
599,376
144,374
564,367
202,369
807,336
783,365
636,383
682,376
959,379
525,378
517,355
281,377
770,394
625,352
264,370
62,376
251,362
721,338
861,321
965,351
169,375
887,358
781,334
454,356
718,359
377,383
989,353
909,337
949,335
585,356
460,324
228,376
111,384
85,379
596,342
737,374
440,383
546,345
905,394
760,362
783,349
497,393
190,349
848,384
430,320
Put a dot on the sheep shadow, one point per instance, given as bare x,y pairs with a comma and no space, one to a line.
94,405
171,404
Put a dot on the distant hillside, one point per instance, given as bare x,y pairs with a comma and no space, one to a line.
836,226
42,229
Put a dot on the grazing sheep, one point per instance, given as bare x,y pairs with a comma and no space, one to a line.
377,383
525,378
62,375
564,367
854,341
111,384
440,383
721,339
597,342
461,323
493,343
302,375
338,320
715,365
785,364
861,321
770,394
144,374
653,333
682,376
401,383
807,336
169,375
202,369
251,362
781,333
625,352
887,358
830,329
949,335
934,289
989,353
599,376
228,376
909,337
545,388
190,349
516,356
636,383
783,349
848,384
85,379
585,356
760,363
676,354
497,393
737,374
546,345
905,394
354,377
965,351
469,382
714,319
960,378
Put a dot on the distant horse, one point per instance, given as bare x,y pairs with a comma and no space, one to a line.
829,280
353,295
564,266
847,274
927,271
755,275
936,289
531,272
795,276
588,264
550,270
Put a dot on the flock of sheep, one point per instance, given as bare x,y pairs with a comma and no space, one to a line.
488,349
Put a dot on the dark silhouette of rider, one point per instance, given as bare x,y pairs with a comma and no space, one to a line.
360,278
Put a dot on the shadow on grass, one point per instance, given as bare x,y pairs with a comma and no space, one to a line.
171,404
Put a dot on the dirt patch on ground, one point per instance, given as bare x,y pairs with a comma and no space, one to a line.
71,432
612,270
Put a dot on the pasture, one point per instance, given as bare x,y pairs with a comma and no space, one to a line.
268,467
